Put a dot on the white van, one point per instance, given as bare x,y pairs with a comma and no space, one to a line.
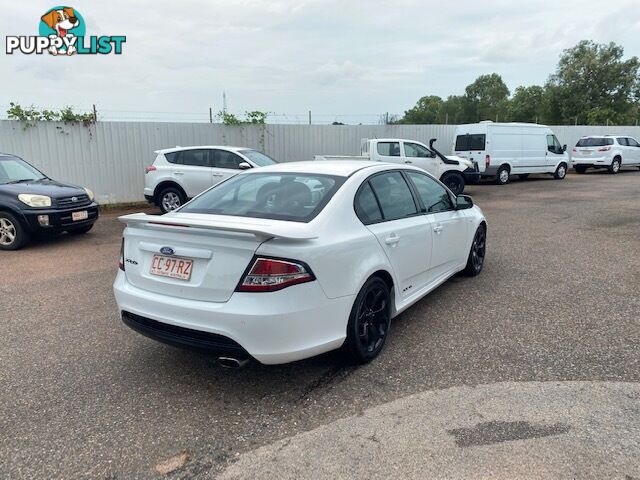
505,149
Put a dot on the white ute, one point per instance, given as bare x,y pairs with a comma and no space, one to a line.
451,170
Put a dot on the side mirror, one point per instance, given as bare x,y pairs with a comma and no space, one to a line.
463,202
244,166
564,148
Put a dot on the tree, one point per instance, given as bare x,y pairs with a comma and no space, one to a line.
527,104
592,82
487,98
427,110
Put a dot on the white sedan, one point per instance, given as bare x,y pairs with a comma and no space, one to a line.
292,260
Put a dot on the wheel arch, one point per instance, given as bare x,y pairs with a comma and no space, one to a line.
165,184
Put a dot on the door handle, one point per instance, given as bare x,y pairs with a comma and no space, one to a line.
179,173
437,229
217,174
392,239
408,161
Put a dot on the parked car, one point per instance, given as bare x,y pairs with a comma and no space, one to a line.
258,266
179,174
506,149
452,171
608,151
31,203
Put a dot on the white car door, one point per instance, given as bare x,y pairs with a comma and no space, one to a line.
421,157
450,227
225,164
388,152
404,234
193,171
633,149
555,153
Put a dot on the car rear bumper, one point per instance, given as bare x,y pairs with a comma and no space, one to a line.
60,220
279,327
591,161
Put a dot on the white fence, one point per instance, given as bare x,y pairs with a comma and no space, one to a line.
109,157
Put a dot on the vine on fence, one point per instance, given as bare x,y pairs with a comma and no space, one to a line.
250,118
30,116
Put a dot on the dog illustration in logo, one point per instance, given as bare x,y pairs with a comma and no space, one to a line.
61,21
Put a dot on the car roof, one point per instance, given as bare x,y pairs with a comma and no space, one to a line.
605,136
194,147
340,168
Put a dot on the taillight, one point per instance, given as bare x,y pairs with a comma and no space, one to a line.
150,168
121,262
487,160
604,149
271,274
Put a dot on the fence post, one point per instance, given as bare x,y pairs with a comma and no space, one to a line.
210,115
95,113
309,117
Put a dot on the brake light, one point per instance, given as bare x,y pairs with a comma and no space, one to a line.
272,274
487,160
121,262
150,168
604,149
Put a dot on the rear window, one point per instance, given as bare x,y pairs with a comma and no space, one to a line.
277,196
475,141
594,142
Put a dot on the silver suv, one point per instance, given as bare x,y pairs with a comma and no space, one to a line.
179,174
607,151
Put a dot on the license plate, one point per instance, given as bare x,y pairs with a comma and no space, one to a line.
172,267
77,216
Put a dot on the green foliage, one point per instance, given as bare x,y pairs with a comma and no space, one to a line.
30,116
591,85
250,118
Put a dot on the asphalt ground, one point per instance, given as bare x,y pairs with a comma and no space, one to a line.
556,306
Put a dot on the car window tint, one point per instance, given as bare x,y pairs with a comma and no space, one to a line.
622,141
174,157
225,159
278,196
474,141
394,195
366,205
632,142
553,145
389,149
594,142
195,158
416,150
434,196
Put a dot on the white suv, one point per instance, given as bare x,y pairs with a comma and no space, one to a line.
608,151
181,173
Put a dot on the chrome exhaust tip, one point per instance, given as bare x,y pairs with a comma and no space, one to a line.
230,362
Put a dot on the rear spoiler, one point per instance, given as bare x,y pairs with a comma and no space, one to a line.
282,229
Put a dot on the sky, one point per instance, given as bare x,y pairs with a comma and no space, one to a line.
345,60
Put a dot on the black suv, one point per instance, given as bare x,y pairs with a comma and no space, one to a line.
31,203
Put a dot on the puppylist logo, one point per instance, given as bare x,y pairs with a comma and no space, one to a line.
62,32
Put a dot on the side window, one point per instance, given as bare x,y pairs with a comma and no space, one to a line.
366,205
553,145
632,142
174,157
394,195
415,150
225,159
434,196
389,149
477,141
622,141
195,158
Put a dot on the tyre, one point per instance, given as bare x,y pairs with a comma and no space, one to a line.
523,176
580,168
80,231
12,235
615,165
475,261
170,198
502,178
369,322
454,182
560,172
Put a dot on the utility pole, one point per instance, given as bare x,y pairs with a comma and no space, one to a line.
210,115
224,102
95,113
309,117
